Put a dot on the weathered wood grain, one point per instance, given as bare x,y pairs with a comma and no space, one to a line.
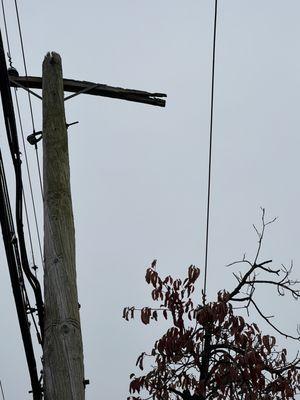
63,350
96,89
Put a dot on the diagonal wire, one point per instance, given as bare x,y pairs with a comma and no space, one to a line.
30,310
29,96
210,149
39,169
6,32
29,231
29,179
21,127
2,391
24,62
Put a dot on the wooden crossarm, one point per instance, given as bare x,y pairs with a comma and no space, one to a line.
74,86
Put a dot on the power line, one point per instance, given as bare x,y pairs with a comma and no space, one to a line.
2,392
15,153
14,244
28,93
6,32
29,178
39,169
24,61
22,133
29,230
210,148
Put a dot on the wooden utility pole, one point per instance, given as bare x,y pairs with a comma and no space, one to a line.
63,352
62,345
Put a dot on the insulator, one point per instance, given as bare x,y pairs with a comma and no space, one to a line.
12,71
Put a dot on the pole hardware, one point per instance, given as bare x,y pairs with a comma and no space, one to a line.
84,90
72,123
55,180
12,79
35,137
11,71
86,382
91,88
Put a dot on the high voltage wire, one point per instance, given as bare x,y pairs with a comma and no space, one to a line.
210,148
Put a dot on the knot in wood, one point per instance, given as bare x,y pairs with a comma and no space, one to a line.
65,329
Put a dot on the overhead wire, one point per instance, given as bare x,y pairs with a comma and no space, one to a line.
2,391
24,61
210,149
6,32
22,132
15,245
29,177
29,231
28,93
19,195
10,239
13,142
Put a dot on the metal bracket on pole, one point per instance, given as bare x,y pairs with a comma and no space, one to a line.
87,89
35,137
25,88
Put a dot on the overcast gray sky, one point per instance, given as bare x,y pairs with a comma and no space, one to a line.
139,172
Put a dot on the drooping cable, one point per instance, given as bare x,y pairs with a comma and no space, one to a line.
210,148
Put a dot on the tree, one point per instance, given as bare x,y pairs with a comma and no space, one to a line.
210,352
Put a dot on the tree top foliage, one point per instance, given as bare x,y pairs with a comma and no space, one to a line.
211,352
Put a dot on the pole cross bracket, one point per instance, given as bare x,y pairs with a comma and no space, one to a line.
18,84
85,90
